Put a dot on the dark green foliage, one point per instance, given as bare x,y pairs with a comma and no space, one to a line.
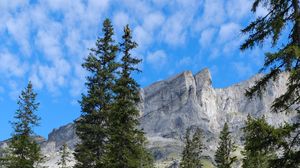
23,151
223,156
281,14
91,128
64,156
258,135
108,126
126,145
192,152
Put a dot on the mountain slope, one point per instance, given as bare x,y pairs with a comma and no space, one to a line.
185,100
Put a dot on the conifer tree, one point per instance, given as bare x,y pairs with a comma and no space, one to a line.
126,145
23,151
187,151
282,16
257,133
223,156
192,152
64,156
91,127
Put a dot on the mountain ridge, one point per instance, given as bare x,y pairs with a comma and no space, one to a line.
168,107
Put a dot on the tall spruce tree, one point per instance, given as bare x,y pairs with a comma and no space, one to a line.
126,141
258,134
92,126
223,156
23,151
187,151
192,152
65,155
282,15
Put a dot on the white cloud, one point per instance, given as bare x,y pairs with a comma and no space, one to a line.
213,14
153,21
15,90
49,44
73,41
36,81
120,19
142,37
215,53
173,32
261,11
19,30
7,5
238,9
229,31
206,37
185,61
61,41
157,59
11,66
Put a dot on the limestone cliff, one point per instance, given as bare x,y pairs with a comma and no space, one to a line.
170,106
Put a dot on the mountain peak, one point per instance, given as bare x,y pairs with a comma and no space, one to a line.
203,79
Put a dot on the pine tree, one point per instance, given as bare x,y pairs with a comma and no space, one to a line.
91,128
257,133
187,151
281,14
23,151
192,152
126,145
223,156
64,156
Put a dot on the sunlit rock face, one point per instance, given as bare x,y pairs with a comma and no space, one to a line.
170,106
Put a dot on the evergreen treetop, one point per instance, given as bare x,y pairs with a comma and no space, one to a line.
64,156
223,156
258,135
126,144
192,152
91,128
23,151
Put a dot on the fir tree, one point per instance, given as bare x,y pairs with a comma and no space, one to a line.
257,133
281,14
223,156
64,156
187,151
91,128
126,145
23,151
192,152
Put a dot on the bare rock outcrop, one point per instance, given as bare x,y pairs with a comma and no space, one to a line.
169,107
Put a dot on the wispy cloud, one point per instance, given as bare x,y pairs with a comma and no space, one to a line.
49,39
157,59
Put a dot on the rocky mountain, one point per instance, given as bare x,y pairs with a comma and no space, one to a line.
171,106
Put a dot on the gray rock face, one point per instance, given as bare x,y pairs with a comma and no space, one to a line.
171,106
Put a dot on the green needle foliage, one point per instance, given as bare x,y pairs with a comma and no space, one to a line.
282,14
64,156
23,151
108,126
192,152
258,135
223,156
126,145
91,128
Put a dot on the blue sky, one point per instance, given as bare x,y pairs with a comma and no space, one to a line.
46,41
